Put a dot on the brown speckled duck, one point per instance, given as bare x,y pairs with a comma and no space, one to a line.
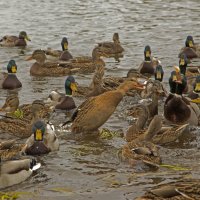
14,41
112,49
10,80
190,50
95,111
62,55
142,149
188,189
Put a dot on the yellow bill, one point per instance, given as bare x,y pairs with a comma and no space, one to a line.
65,46
182,62
38,135
196,100
13,69
148,54
191,44
73,87
197,87
158,75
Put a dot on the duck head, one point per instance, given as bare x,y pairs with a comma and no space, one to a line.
38,129
97,53
189,41
23,35
38,55
115,37
70,85
197,85
36,107
159,73
11,103
12,67
183,61
177,81
147,53
64,44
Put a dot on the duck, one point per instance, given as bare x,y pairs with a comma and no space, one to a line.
142,148
159,73
95,111
15,41
148,65
194,94
9,149
190,50
43,139
82,64
179,109
181,189
21,127
112,49
11,81
14,172
64,55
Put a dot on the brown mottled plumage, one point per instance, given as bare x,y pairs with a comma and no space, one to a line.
179,190
95,111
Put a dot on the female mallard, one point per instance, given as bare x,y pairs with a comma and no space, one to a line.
76,65
65,101
62,55
16,171
180,190
95,111
11,81
10,150
112,49
21,127
141,148
178,109
14,41
190,50
43,140
149,63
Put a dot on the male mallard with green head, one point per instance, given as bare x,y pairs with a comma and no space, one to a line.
14,41
190,50
11,81
159,73
149,63
95,111
178,109
112,49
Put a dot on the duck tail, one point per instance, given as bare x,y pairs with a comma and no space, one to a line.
73,117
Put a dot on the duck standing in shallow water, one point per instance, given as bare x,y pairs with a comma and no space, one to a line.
11,81
62,55
14,41
95,111
112,49
178,109
149,63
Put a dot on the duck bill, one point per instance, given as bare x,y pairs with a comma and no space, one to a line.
29,58
13,69
65,46
38,135
191,44
182,62
73,87
140,86
148,54
27,38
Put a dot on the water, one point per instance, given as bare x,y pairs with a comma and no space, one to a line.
91,169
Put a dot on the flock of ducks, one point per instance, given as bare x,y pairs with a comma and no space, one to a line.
32,121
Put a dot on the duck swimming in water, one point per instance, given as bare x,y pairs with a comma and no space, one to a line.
14,41
11,81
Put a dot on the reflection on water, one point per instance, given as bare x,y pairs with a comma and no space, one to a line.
91,169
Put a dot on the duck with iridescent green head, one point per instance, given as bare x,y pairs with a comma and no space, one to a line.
11,81
195,93
159,73
149,63
62,55
15,41
191,50
178,109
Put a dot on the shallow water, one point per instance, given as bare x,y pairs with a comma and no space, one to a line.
90,169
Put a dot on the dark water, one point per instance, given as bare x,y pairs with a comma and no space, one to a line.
91,169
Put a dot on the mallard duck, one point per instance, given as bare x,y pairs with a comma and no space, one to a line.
14,41
190,50
10,80
178,109
180,190
62,55
21,127
76,65
142,149
95,111
16,171
9,149
194,94
112,49
149,63
43,140
159,73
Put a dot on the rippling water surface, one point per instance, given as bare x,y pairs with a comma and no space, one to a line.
91,169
